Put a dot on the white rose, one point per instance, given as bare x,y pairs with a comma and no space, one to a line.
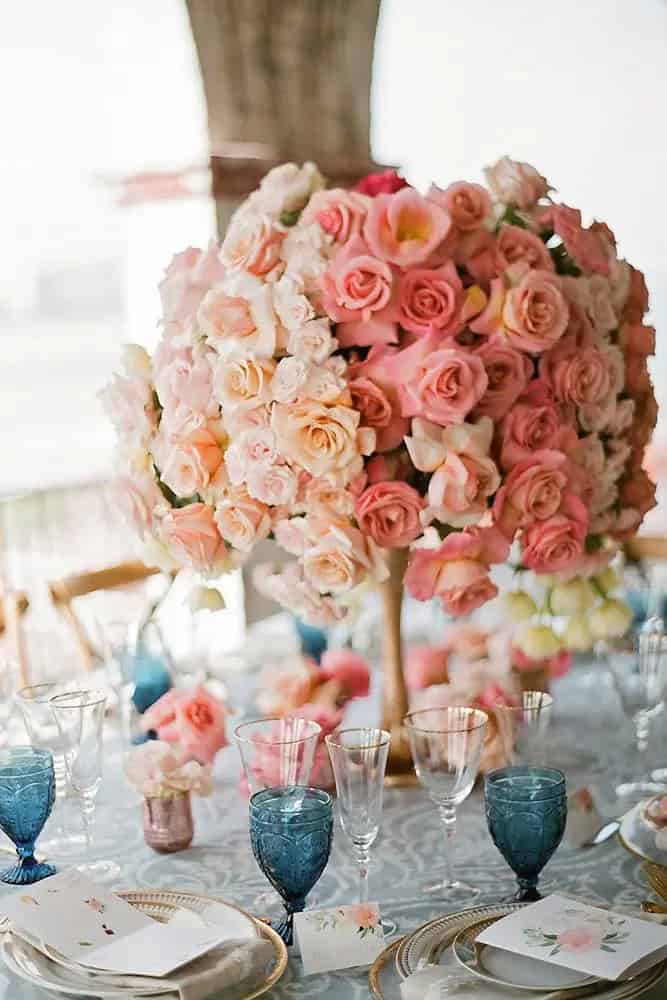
518,606
571,598
324,385
610,620
516,183
136,361
304,251
539,642
312,341
577,636
290,380
291,305
286,188
237,317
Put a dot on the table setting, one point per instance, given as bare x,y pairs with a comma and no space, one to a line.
435,398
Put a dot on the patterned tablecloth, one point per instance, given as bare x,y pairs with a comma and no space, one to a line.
587,741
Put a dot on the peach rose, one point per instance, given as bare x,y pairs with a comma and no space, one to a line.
424,666
445,387
389,513
285,188
404,228
535,312
252,243
238,317
243,382
321,439
324,499
183,377
580,377
192,537
516,183
557,543
431,300
515,245
532,491
242,521
292,307
467,205
508,372
340,559
191,462
340,213
186,281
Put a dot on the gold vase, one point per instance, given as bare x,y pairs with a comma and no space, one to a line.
400,770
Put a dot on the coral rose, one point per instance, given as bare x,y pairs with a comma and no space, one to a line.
347,667
529,428
533,491
192,537
508,372
468,205
535,312
389,513
445,387
557,543
405,228
431,300
515,245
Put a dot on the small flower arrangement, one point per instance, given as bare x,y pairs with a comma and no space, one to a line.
157,770
194,720
340,676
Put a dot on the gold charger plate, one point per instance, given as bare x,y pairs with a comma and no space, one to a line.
385,958
624,838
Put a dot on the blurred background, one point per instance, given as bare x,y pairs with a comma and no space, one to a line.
131,130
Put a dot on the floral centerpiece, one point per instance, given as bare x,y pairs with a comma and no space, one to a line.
395,386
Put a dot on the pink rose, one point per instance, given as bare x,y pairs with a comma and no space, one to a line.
580,939
192,537
579,375
405,228
198,725
516,245
186,281
557,543
445,387
381,182
467,642
431,300
272,484
532,491
191,462
128,402
356,285
516,183
636,303
252,243
241,520
184,378
468,205
637,339
340,213
350,669
535,312
137,498
389,513
585,246
456,571
381,370
529,428
424,666
508,372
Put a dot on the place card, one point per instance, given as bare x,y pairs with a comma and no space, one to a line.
583,818
101,930
340,937
577,936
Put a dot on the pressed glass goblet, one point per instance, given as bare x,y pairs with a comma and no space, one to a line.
277,752
526,810
359,760
523,727
291,831
446,746
80,717
27,794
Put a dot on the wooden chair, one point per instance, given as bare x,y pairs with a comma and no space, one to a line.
63,592
13,604
652,548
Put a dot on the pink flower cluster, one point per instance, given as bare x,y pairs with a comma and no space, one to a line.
193,720
353,371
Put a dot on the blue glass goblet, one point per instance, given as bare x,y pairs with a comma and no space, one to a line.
27,794
526,809
291,831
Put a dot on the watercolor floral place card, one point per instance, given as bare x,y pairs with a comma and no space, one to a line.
340,937
101,930
576,936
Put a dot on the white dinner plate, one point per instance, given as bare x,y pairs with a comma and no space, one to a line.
504,968
638,838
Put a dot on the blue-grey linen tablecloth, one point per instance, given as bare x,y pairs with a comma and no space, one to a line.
587,741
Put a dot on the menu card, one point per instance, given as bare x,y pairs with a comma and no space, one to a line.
577,936
90,925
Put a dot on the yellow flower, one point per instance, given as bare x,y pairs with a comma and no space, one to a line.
539,642
571,598
610,619
519,606
577,636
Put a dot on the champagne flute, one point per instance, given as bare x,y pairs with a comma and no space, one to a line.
446,746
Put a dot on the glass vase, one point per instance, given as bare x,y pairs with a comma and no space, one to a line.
168,825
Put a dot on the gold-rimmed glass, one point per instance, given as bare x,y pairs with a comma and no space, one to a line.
446,746
524,726
277,752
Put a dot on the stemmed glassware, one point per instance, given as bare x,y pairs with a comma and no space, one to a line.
291,831
446,746
79,716
523,727
526,810
359,759
277,752
637,666
27,794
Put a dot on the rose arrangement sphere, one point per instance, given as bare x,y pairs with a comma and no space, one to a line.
357,371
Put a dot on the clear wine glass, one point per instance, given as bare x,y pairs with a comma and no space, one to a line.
637,666
359,760
524,726
446,746
79,716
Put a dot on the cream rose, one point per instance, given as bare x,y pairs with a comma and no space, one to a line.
237,317
241,520
340,560
291,305
321,439
243,382
312,342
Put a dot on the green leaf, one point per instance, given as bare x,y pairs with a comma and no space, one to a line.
563,262
604,947
290,218
593,543
171,497
512,218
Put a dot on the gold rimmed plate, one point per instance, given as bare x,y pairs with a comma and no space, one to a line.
638,838
504,968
